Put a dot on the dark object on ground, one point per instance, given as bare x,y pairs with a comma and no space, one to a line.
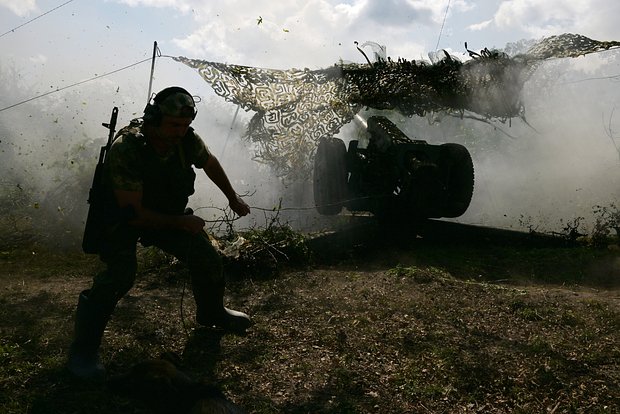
90,322
168,390
392,175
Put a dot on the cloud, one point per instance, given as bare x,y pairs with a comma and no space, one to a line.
594,18
398,12
299,33
480,26
20,7
182,5
38,59
306,33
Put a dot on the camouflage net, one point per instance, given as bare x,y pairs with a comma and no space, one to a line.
295,108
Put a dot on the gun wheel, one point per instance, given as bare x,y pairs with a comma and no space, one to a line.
330,176
460,179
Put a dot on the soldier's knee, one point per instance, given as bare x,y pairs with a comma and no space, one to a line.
203,254
123,271
114,282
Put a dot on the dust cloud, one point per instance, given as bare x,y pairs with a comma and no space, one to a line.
49,148
534,175
553,168
564,160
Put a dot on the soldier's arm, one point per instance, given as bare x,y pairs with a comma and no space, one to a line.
216,173
146,218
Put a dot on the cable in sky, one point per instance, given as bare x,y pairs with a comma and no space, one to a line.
442,24
38,17
72,85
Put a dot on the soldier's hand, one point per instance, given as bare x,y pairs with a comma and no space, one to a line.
192,224
239,206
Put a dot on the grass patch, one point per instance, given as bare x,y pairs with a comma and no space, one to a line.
408,327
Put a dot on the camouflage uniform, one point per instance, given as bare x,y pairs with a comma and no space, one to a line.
166,184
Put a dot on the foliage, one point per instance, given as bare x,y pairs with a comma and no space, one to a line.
265,250
15,222
607,225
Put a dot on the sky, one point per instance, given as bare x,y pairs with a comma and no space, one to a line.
71,42
83,38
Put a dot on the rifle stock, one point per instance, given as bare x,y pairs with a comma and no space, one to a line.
95,224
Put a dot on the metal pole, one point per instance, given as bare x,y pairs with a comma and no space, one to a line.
148,98
229,132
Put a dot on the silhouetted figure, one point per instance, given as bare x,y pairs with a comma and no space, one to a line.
148,177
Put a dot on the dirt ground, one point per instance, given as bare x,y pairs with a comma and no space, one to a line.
448,319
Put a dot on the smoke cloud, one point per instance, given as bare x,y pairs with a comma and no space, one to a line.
540,174
555,166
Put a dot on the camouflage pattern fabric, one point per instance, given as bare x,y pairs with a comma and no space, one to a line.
166,182
295,108
568,45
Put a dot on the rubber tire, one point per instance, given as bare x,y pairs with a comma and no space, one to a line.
460,184
330,176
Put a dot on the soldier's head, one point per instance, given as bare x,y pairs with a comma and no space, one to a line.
170,112
173,101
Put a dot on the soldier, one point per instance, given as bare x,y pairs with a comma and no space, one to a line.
148,178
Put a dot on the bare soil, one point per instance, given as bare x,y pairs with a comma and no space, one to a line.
439,319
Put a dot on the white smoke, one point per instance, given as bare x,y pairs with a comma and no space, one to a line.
556,167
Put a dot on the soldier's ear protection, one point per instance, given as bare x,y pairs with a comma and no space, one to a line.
152,111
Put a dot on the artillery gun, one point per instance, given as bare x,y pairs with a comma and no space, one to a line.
392,175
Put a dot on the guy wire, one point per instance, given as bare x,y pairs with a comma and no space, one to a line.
442,24
72,85
33,19
277,209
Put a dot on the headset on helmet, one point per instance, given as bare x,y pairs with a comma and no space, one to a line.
152,112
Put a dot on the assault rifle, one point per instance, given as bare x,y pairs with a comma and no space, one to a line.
95,224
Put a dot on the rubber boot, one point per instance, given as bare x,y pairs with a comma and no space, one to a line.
211,312
90,322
